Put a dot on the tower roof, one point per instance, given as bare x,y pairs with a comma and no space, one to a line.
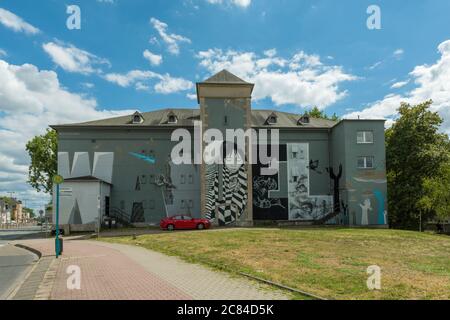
225,76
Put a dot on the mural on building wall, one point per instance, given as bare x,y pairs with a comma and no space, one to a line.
314,166
102,167
366,206
226,200
382,213
302,205
262,185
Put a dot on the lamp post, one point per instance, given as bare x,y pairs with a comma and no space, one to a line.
57,180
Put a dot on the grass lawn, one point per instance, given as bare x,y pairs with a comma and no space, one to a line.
327,262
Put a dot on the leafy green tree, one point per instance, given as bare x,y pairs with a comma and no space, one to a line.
415,152
43,153
437,193
31,211
315,112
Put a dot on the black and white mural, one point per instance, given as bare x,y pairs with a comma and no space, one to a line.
265,205
226,189
302,205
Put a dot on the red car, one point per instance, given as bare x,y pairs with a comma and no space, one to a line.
184,222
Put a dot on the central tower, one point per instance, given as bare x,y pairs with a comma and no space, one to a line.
226,191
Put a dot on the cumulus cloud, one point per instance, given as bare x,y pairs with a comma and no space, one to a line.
3,53
165,84
31,100
238,3
172,40
16,23
154,59
431,82
399,84
302,79
72,59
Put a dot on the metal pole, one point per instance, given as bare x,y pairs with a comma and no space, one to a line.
57,222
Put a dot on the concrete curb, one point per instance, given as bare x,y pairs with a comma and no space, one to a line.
36,252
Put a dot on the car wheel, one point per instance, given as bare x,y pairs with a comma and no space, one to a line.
200,226
170,227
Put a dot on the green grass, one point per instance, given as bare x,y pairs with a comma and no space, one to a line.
327,262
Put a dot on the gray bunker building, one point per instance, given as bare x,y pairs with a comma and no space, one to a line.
330,172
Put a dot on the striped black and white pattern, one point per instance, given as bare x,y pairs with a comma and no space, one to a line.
235,195
212,191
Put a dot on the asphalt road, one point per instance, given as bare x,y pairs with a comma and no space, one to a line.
7,235
15,262
14,265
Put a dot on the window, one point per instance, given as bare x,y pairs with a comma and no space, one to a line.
304,120
172,119
137,118
365,162
191,179
365,137
183,179
272,120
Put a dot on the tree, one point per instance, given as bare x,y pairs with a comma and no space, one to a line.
28,210
437,193
415,152
320,114
43,153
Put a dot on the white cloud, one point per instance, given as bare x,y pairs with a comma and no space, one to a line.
165,84
238,3
191,96
31,100
16,23
399,84
72,59
431,82
302,80
169,85
125,80
154,59
398,53
3,53
375,65
172,40
106,1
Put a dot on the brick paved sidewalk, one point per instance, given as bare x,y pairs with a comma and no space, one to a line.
120,272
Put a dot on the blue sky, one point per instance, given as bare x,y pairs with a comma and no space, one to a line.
140,54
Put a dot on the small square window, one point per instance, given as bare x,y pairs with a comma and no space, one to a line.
365,162
191,179
364,137
183,179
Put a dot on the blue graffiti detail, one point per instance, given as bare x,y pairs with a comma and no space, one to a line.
379,195
143,157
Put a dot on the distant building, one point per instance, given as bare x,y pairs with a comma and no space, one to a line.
5,212
330,172
17,212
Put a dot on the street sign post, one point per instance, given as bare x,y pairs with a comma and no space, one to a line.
57,180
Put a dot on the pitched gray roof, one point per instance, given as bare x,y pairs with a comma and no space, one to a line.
186,118
225,76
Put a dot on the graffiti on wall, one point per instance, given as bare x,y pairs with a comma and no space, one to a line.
102,167
226,189
302,205
262,185
366,206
